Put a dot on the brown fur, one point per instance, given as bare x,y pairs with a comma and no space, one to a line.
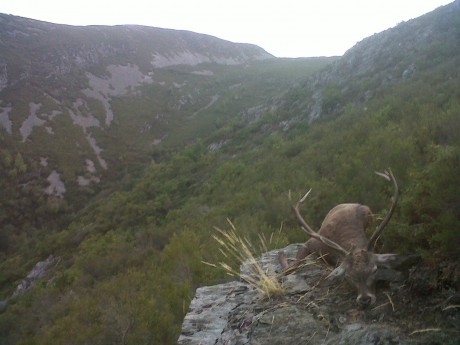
345,224
342,241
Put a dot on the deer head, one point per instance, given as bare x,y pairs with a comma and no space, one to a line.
359,264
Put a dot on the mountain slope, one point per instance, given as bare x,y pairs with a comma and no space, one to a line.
378,62
60,49
55,76
85,105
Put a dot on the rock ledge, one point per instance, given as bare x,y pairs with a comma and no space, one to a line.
235,314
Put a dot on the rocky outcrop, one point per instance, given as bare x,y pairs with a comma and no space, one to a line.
39,270
234,313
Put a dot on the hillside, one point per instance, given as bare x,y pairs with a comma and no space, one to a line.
60,86
375,64
83,102
84,109
125,267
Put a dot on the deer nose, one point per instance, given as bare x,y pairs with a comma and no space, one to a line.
364,301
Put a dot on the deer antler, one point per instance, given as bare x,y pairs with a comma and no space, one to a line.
388,175
310,231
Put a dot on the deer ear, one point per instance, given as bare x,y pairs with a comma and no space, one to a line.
385,260
395,260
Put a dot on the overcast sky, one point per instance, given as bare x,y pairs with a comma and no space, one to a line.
286,28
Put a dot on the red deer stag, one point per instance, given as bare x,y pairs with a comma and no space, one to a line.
343,241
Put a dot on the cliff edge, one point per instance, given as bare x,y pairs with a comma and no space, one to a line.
407,311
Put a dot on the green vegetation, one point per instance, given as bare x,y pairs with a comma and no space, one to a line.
132,260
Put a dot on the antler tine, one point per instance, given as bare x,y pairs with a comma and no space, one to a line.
313,233
388,175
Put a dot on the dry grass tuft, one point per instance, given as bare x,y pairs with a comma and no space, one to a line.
425,330
237,248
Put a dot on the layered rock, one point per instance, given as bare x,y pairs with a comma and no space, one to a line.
235,313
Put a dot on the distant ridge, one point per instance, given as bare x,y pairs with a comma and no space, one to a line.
58,49
396,54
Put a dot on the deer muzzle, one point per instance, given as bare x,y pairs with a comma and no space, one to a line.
365,300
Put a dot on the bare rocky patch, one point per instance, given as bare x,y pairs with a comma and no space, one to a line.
56,185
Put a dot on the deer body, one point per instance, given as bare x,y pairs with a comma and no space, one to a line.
343,242
345,224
